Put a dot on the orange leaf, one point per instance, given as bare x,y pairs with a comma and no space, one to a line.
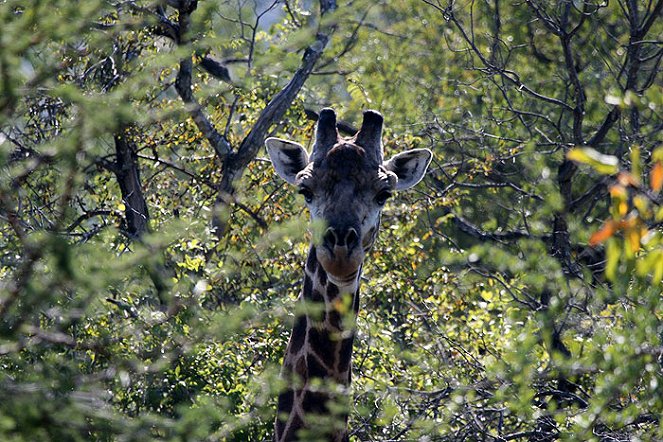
618,191
656,176
627,223
627,179
606,231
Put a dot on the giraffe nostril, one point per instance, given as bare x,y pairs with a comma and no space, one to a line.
329,239
351,238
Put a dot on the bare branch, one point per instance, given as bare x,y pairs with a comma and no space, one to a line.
183,86
467,227
579,90
508,75
87,215
277,107
647,23
216,69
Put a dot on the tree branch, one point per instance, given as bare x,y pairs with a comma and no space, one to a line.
237,162
216,69
277,107
128,177
508,75
475,232
183,86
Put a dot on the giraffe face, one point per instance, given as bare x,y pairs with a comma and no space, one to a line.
345,185
345,194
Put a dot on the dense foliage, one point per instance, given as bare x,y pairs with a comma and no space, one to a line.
149,258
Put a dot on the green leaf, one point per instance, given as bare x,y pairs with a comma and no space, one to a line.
612,256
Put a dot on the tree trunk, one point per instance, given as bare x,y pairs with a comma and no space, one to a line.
128,177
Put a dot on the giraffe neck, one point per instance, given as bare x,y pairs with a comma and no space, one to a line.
318,357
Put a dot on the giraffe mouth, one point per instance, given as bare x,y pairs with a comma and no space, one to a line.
343,281
347,279
341,265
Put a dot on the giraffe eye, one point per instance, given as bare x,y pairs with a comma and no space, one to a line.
382,197
308,195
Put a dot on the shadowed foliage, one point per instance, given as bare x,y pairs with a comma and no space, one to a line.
150,258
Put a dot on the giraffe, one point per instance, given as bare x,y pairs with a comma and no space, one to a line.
345,184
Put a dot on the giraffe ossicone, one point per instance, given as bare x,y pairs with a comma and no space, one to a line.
345,183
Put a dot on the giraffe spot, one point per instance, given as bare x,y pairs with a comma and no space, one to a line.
308,285
300,368
295,425
315,368
332,292
285,402
322,345
315,314
315,402
312,261
298,334
316,296
322,277
334,319
345,354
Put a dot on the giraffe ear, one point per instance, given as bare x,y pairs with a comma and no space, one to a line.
288,158
409,166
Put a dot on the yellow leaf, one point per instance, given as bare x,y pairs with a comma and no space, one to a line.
633,236
622,208
619,196
603,164
657,155
642,204
635,161
658,271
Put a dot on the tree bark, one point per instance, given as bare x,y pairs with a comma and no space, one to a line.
128,177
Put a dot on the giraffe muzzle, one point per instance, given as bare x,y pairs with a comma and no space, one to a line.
343,238
341,255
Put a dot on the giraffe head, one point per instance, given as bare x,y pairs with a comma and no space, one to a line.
346,183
